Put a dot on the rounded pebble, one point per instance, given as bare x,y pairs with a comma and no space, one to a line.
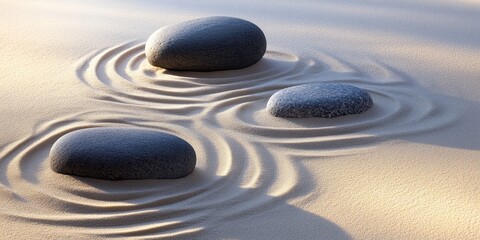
206,44
326,100
122,153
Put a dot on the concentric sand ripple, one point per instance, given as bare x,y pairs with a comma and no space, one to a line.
230,181
401,108
122,74
236,99
247,159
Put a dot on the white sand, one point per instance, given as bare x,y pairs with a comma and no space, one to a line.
409,168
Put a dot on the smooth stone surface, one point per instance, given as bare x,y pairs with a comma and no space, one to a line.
122,153
326,100
206,44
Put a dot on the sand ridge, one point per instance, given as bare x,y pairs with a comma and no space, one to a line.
406,169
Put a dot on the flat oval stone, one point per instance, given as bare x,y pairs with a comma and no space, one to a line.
122,153
326,100
206,44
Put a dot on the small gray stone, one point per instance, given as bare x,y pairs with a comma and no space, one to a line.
206,44
327,100
122,153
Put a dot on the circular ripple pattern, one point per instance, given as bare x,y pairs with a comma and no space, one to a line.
122,74
247,159
237,99
401,108
229,182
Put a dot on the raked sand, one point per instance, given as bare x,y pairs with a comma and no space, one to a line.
408,168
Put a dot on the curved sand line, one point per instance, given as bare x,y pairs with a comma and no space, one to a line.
121,74
246,158
236,99
233,176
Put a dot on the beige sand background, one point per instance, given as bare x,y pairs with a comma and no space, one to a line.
409,168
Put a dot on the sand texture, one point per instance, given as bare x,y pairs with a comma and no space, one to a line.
408,168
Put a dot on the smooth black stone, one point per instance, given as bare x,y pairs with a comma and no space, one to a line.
326,100
206,44
122,153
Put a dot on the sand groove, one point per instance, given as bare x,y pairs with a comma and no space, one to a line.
230,181
245,156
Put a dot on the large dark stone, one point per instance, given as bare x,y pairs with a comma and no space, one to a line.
122,153
206,44
327,100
